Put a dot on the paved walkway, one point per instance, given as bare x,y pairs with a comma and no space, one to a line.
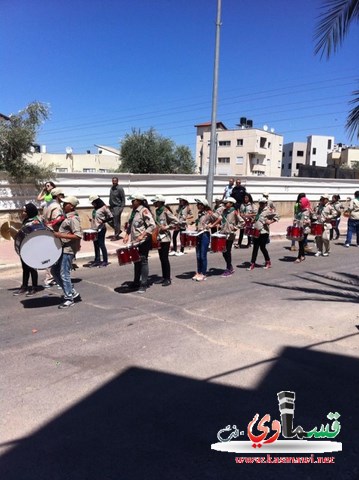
10,259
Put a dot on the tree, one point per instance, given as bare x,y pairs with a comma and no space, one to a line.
17,136
149,152
333,26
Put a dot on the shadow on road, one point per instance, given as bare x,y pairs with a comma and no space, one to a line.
147,424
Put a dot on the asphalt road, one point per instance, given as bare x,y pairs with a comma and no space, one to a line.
128,386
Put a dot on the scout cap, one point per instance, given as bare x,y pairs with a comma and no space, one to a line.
203,202
262,200
159,198
72,200
230,199
55,192
325,195
183,198
92,198
137,196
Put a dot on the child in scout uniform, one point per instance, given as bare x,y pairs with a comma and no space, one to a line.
30,214
204,222
165,221
263,218
140,227
70,234
230,222
302,219
324,212
100,215
184,214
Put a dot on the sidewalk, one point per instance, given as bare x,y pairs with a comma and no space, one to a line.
9,258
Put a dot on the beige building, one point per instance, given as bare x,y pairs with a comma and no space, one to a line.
293,157
106,160
242,151
344,156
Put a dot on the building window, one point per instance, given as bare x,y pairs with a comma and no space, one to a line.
224,143
239,142
61,170
329,144
283,154
262,143
239,160
282,166
89,170
290,153
289,166
224,160
314,151
313,163
297,165
104,170
300,153
269,144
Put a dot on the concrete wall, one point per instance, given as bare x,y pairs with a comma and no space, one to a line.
282,190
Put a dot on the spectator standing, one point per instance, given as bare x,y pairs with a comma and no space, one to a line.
238,193
228,190
117,204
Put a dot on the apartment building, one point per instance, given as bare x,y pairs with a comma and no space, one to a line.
318,149
106,160
241,151
293,156
344,156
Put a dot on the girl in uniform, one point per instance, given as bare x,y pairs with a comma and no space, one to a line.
165,220
100,215
204,222
246,211
264,217
230,220
184,214
302,219
140,227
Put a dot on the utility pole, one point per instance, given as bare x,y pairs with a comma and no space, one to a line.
213,141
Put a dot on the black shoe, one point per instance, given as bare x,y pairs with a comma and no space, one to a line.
142,289
166,282
20,291
31,292
94,264
133,286
159,281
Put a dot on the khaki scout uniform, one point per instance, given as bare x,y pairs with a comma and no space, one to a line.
182,214
71,224
51,213
266,214
230,223
100,216
323,214
166,219
142,222
206,218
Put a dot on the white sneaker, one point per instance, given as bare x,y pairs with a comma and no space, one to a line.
172,254
201,278
347,245
179,254
318,254
326,254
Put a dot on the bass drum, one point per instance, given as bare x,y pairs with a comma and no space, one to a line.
37,246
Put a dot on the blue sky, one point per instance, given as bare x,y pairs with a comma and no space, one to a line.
108,66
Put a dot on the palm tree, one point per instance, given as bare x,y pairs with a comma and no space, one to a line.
332,28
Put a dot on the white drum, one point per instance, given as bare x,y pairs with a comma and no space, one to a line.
37,246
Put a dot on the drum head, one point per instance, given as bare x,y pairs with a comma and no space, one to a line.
40,249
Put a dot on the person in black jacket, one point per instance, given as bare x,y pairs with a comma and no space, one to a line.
238,193
117,204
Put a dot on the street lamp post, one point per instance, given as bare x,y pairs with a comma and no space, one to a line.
213,140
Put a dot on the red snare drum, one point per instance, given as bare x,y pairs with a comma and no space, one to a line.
333,222
89,235
188,238
128,254
317,229
218,242
295,233
250,231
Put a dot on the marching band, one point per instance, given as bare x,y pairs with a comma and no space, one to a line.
214,229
